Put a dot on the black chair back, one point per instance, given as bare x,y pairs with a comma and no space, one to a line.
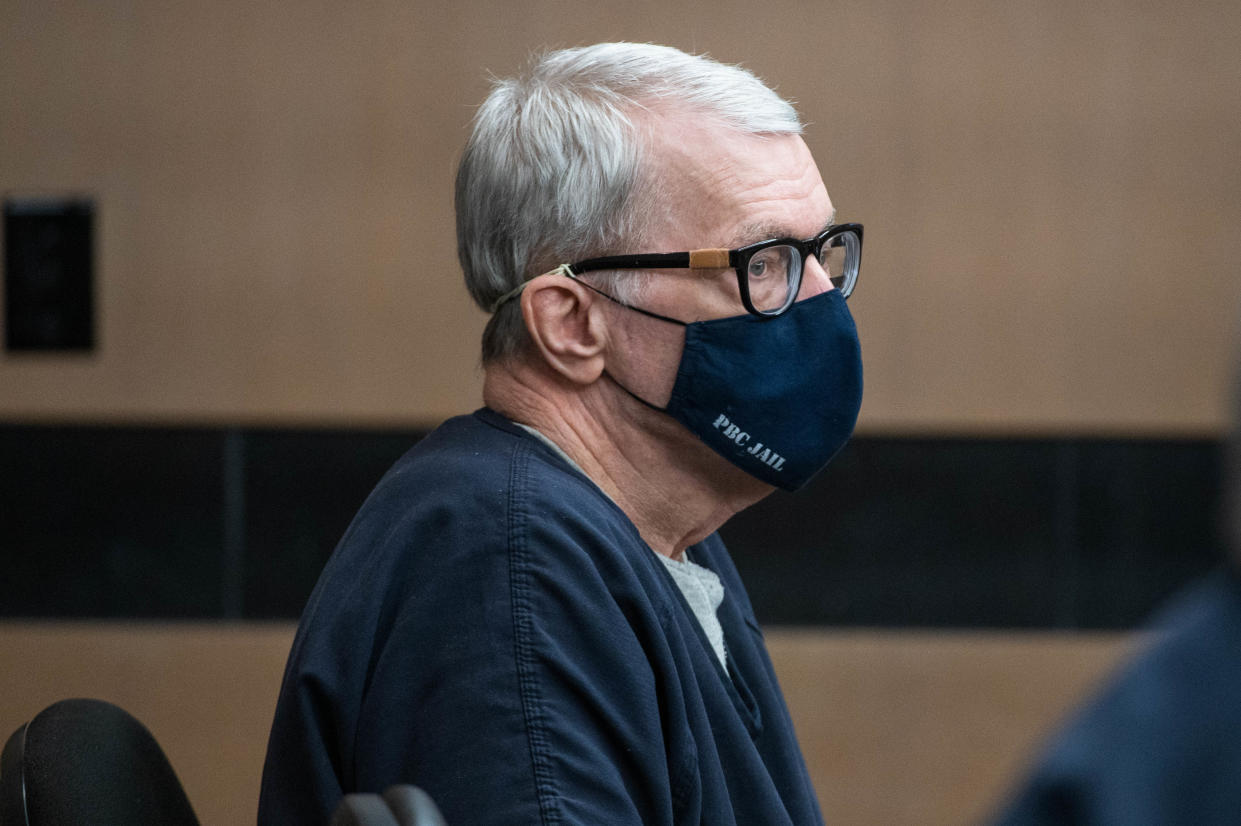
88,762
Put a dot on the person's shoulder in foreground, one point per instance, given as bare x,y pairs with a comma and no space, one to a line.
1161,743
532,616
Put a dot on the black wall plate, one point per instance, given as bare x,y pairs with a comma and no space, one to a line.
49,274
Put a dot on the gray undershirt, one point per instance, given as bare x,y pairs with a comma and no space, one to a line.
704,592
700,586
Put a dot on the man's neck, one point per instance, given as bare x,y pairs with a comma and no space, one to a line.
671,486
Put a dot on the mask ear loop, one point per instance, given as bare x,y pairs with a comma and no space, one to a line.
567,270
563,269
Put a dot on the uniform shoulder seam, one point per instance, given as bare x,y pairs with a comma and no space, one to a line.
520,576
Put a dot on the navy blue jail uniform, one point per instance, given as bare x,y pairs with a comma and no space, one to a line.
493,629
1160,745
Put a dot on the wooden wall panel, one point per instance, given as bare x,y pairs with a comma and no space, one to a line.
207,693
897,728
1050,191
930,728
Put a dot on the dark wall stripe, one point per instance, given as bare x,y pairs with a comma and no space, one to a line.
1003,533
303,488
984,533
110,522
234,519
1067,549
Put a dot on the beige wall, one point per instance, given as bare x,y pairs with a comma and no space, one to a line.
207,693
910,728
1051,193
1050,190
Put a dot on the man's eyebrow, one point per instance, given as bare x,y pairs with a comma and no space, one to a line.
753,233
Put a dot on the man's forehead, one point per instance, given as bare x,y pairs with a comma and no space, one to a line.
725,188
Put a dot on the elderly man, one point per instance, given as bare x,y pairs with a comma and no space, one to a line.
532,616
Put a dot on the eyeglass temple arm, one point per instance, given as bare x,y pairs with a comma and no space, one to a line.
710,259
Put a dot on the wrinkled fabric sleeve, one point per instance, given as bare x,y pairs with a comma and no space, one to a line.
515,684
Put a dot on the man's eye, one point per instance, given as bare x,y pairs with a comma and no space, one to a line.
758,268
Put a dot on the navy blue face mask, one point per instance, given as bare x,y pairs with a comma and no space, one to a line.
777,397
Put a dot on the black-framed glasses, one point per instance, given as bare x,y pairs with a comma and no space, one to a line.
768,273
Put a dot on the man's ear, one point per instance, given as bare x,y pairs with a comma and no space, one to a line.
567,329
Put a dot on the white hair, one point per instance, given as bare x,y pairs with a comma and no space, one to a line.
552,171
